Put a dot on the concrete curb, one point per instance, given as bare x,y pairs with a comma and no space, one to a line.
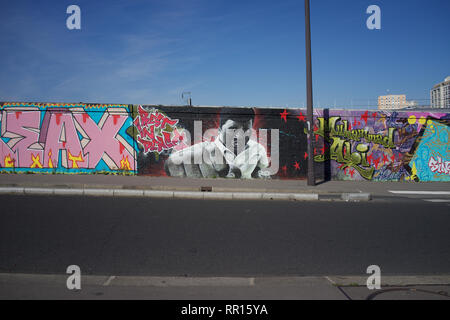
158,193
178,194
68,192
356,196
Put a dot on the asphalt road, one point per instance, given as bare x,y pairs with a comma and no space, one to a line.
142,236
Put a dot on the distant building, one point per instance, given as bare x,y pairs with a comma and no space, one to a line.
440,94
392,101
411,104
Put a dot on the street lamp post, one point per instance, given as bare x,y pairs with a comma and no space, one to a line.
309,110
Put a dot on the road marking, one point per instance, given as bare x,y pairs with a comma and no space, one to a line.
437,200
330,280
419,192
107,282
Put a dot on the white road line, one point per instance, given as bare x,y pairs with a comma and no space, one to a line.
437,200
420,192
107,282
330,280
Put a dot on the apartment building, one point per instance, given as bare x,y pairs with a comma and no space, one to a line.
392,101
440,94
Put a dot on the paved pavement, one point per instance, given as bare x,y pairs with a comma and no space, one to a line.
43,287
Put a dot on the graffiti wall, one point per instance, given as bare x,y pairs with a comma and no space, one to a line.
66,138
384,146
223,142
245,143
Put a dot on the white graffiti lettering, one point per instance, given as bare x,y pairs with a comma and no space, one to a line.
439,165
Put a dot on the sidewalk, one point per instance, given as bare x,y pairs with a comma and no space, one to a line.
40,286
192,187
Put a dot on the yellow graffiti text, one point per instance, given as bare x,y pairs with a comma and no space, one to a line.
36,162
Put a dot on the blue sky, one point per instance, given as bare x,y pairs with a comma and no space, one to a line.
234,53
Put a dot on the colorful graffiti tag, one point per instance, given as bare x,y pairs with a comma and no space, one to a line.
384,146
69,138
156,131
341,149
432,153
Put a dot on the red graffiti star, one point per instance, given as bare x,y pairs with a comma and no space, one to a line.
297,165
283,115
364,116
301,117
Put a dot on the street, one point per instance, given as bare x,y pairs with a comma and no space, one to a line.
141,236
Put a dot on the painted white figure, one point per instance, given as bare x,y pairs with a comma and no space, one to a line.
231,154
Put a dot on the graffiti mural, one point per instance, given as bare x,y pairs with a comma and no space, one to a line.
67,138
223,142
383,146
430,161
156,131
241,143
231,152
271,143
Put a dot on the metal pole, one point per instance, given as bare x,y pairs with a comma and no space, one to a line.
309,94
